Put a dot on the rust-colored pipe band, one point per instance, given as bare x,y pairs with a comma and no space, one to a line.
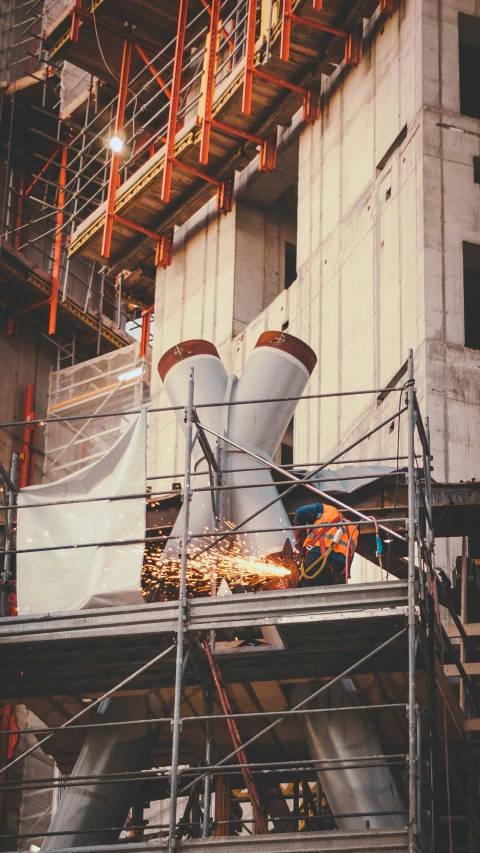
186,349
293,346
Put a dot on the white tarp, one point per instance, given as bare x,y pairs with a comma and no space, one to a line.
88,577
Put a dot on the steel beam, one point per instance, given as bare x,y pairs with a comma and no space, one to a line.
115,159
57,251
174,101
209,76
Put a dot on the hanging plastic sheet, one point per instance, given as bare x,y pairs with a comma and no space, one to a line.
105,574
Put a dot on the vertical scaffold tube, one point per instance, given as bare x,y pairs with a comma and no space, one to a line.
412,709
182,615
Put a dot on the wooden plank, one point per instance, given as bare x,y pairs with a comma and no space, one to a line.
470,668
454,711
472,725
472,629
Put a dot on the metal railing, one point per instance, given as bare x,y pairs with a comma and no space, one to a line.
417,536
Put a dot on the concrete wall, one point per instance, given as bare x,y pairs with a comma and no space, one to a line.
360,298
261,236
452,216
386,198
194,298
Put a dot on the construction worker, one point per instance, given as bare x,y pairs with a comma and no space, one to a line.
324,553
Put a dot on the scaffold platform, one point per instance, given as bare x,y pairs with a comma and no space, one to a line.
91,651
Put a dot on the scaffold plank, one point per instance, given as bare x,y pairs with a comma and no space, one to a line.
31,282
371,840
52,654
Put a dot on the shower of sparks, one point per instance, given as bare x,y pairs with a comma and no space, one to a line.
160,577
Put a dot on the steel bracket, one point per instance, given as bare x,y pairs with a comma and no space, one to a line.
164,250
225,195
354,46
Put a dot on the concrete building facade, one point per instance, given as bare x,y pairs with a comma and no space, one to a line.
377,202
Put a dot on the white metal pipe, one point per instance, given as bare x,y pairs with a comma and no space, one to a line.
210,386
85,811
279,366
369,791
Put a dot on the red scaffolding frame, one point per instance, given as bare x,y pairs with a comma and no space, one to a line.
311,96
27,457
145,336
57,249
268,147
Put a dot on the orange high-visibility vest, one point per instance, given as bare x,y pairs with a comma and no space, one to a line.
322,537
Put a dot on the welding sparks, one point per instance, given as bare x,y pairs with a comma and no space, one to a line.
205,571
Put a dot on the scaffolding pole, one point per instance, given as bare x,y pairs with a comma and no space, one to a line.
182,614
419,508
411,530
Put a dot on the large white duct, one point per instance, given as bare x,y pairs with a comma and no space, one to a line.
210,385
279,367
87,810
369,792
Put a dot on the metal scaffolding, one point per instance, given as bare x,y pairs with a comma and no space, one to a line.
164,88
392,627
116,381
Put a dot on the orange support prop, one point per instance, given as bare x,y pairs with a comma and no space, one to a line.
388,7
310,102
115,160
224,188
135,227
156,75
42,170
29,433
224,32
174,101
249,57
261,823
145,338
354,46
210,74
225,195
286,30
57,250
76,8
267,155
222,806
316,25
164,250
12,320
317,5
288,17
